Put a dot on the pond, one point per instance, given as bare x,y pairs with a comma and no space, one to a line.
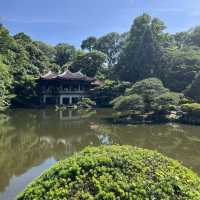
32,140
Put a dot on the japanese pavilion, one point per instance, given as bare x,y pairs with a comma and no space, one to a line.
65,88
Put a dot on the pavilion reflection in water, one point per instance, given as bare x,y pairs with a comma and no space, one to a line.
68,115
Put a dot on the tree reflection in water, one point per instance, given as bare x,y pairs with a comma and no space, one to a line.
30,137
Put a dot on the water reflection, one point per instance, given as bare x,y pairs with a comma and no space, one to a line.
177,141
30,138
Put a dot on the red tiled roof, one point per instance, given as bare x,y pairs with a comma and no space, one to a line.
67,75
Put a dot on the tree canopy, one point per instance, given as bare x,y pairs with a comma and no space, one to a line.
145,51
89,63
142,51
89,43
193,90
146,96
64,53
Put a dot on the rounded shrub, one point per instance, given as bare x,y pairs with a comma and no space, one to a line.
114,173
131,103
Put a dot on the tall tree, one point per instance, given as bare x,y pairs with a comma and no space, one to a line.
142,52
179,68
47,49
89,63
110,44
29,63
181,39
195,36
5,85
64,53
22,38
6,41
193,90
89,44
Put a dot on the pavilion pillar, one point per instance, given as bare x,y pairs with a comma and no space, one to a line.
61,100
70,114
44,99
70,100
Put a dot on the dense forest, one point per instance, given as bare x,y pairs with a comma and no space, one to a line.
120,60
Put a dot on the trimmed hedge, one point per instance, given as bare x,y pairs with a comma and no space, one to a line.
114,173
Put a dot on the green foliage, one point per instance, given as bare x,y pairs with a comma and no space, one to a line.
5,84
133,103
28,63
105,93
181,39
115,172
190,113
89,63
180,68
148,52
25,61
89,43
194,37
148,95
142,51
48,50
26,91
110,45
167,101
149,89
6,41
64,53
193,91
85,103
192,109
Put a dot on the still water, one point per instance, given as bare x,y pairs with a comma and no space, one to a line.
32,140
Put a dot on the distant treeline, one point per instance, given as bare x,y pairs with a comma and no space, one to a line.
146,50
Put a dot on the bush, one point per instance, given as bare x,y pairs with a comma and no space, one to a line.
104,94
167,101
115,172
148,95
192,109
129,103
193,90
149,89
85,103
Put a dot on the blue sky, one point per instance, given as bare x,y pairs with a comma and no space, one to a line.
71,21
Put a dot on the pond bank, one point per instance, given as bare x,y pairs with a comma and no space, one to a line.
152,118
